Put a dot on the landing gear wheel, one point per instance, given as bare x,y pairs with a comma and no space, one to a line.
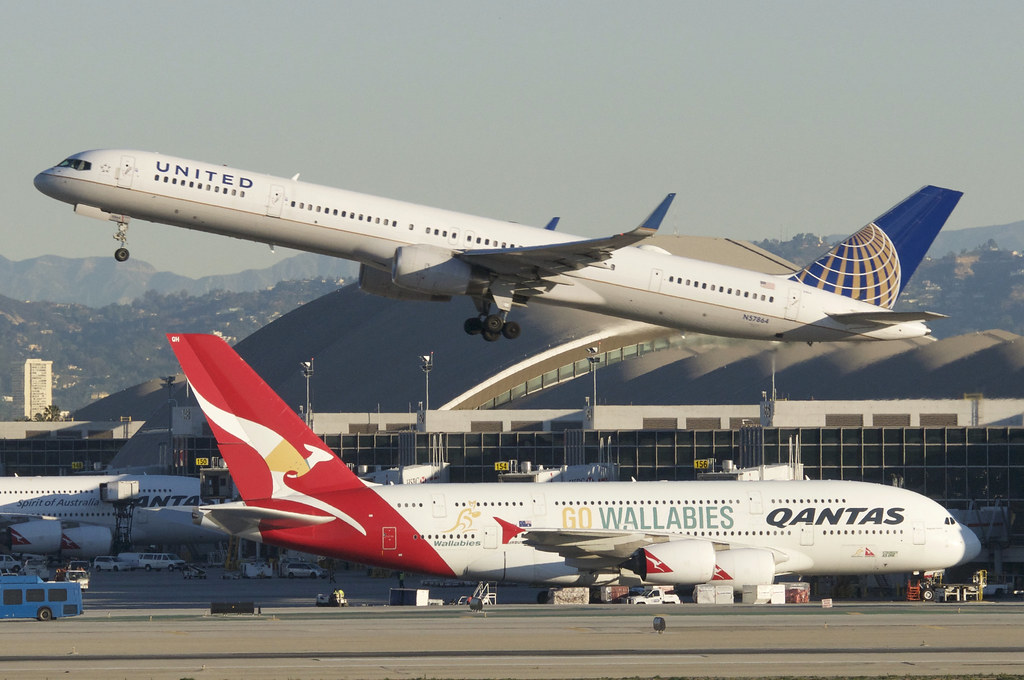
491,336
121,254
493,324
511,330
473,326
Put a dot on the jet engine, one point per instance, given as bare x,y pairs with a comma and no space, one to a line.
685,561
85,541
433,270
41,536
376,282
744,567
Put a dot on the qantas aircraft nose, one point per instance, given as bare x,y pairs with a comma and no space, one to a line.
972,546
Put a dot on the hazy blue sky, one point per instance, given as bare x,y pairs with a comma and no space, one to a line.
767,118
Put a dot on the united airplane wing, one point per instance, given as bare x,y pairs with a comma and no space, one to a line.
532,263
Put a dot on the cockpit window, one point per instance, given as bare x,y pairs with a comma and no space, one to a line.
75,164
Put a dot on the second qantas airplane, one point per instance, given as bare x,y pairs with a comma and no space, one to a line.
414,252
297,494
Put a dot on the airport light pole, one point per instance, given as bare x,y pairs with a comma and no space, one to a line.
307,372
427,363
594,360
169,384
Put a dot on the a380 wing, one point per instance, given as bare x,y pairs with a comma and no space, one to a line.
534,263
591,549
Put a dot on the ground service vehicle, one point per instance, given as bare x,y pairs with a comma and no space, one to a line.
656,595
26,597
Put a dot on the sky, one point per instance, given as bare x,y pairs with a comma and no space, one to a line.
768,119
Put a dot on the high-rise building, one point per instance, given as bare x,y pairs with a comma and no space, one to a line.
38,386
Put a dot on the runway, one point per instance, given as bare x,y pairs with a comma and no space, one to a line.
292,639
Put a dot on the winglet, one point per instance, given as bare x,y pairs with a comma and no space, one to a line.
653,221
552,224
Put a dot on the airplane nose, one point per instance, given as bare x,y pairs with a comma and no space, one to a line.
972,545
44,183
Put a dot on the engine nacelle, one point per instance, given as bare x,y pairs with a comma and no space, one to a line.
85,541
744,567
376,282
41,536
432,270
685,561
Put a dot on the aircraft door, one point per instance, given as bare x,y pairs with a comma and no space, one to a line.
806,535
919,533
274,201
126,171
437,506
389,538
537,501
793,303
754,502
490,538
655,284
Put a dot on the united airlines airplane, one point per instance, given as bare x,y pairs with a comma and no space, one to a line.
414,252
297,494
67,516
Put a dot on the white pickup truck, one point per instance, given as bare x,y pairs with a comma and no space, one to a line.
655,595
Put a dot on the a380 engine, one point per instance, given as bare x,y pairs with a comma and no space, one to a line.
686,561
34,536
85,541
433,271
744,567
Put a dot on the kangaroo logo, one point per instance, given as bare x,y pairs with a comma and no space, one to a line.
282,459
464,522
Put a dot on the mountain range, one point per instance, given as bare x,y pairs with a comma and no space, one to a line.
100,281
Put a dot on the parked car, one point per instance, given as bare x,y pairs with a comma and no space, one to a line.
302,569
168,561
9,565
112,563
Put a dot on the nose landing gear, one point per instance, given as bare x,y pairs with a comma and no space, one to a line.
121,236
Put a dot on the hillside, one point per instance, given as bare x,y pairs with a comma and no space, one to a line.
103,348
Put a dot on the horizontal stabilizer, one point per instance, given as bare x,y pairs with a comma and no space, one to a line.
882,318
242,519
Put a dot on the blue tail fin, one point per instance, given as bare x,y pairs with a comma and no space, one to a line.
875,264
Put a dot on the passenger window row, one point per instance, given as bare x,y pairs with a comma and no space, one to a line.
722,289
435,231
192,184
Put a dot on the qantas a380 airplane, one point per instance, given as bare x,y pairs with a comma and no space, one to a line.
297,494
67,516
414,252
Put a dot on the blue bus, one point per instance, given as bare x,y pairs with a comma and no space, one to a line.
28,597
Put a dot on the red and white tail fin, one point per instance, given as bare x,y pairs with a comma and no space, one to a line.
263,442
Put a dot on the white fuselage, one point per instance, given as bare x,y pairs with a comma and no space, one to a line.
816,527
162,512
641,283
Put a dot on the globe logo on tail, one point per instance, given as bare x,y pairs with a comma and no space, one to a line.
864,267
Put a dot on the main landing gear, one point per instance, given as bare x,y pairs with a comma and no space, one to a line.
492,327
121,236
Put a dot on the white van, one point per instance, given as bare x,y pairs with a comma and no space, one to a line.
112,563
168,561
9,565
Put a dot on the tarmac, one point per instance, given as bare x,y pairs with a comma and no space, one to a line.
159,625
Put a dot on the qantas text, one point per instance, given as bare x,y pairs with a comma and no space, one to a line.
783,517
